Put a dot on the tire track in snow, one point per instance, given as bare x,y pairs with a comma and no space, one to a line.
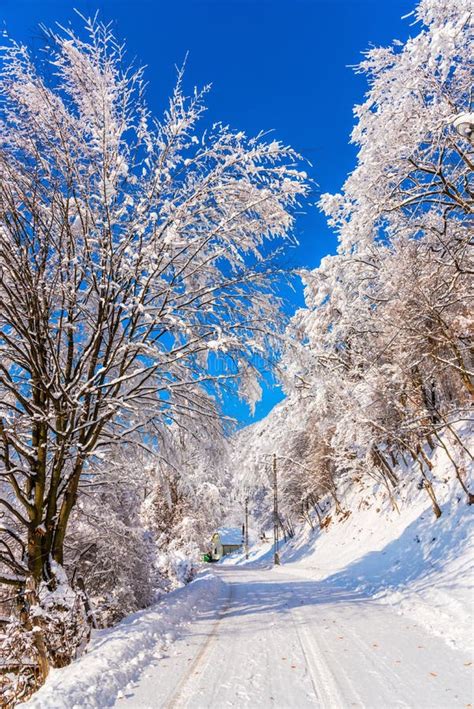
183,690
381,668
328,687
322,678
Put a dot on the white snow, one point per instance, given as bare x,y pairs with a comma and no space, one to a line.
374,611
118,656
421,566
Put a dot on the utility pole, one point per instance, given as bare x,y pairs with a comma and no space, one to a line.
276,557
246,527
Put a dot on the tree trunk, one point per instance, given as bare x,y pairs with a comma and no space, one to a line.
427,483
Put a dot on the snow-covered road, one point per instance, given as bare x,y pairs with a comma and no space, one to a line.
277,639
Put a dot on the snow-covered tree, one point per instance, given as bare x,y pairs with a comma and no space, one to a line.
189,496
134,275
109,551
383,360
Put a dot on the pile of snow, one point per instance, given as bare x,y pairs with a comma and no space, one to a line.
117,656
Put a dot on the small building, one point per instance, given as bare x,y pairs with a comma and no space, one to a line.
224,541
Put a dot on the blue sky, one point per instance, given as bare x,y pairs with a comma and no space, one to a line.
274,64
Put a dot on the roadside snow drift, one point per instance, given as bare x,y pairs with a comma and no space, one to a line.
117,656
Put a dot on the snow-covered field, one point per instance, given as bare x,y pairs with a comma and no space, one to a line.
374,611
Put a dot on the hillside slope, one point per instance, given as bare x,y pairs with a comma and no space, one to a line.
420,565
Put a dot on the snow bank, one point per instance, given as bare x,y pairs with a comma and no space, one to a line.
117,656
422,566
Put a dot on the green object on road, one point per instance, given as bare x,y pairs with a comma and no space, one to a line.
207,558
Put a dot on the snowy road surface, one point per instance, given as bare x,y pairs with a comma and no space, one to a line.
277,639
